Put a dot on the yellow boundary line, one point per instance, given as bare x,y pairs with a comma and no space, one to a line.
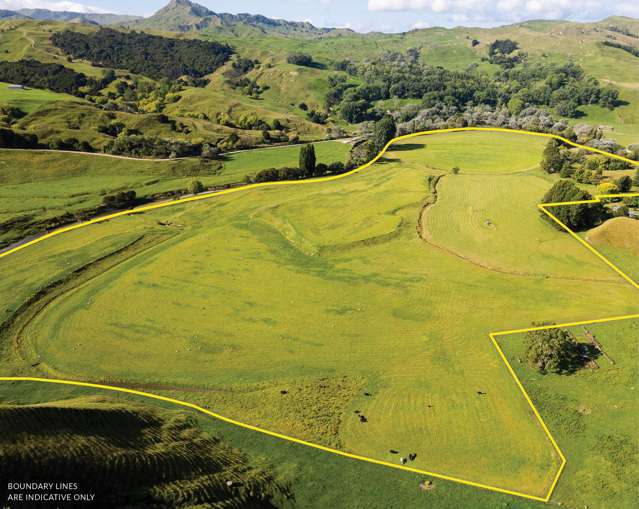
492,335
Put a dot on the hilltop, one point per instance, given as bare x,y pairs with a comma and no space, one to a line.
185,16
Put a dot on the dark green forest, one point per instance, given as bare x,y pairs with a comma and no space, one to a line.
150,55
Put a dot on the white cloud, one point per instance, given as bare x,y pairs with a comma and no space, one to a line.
421,24
13,5
511,10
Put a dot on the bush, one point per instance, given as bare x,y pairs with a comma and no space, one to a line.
607,188
624,184
300,59
195,187
120,200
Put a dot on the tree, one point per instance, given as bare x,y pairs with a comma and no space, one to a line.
576,217
609,97
307,161
383,132
552,160
624,184
567,108
195,187
552,351
354,111
635,180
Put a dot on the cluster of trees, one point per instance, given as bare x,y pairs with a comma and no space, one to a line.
139,95
552,351
414,118
576,217
583,167
72,144
383,131
248,86
147,146
502,52
516,87
626,47
308,168
142,53
56,77
236,79
240,66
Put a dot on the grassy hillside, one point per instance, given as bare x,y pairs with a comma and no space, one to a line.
353,283
618,240
36,186
142,456
288,85
30,100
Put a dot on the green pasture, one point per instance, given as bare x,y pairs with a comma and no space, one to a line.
48,184
31,99
593,414
480,218
316,479
326,292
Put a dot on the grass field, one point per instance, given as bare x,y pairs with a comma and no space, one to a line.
368,307
31,99
41,185
594,416
316,479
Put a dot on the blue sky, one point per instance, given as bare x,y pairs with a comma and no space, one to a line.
367,15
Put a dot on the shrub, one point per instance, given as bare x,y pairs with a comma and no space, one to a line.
195,187
607,188
624,184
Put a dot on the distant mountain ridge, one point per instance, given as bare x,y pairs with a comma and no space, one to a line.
185,16
69,16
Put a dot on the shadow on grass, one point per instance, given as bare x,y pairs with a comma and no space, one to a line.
406,146
386,160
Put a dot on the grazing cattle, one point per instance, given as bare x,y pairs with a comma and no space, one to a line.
283,392
362,418
481,393
393,451
367,394
402,460
412,456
